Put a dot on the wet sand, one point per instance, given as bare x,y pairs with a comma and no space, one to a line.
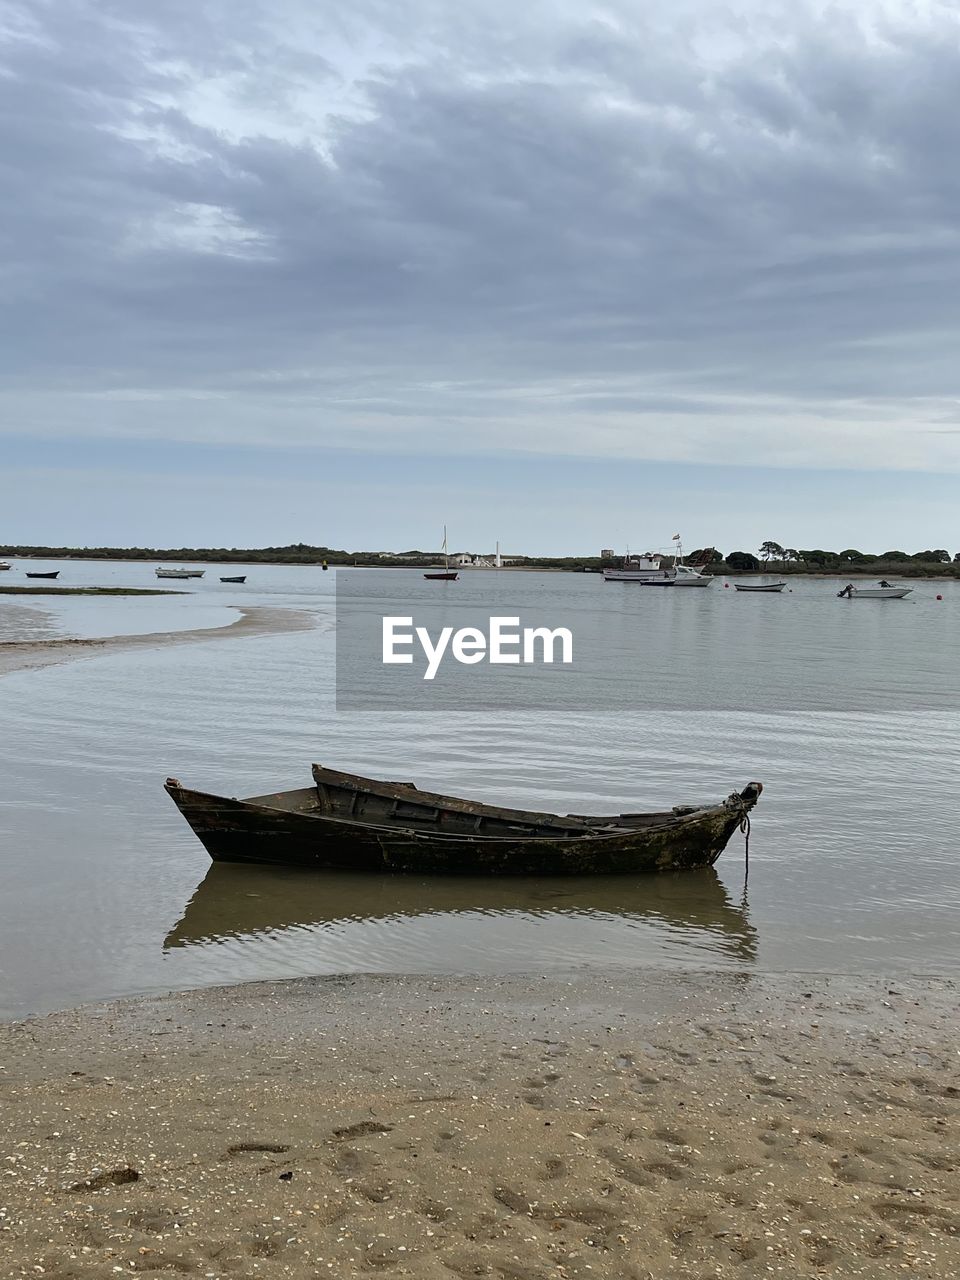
597,1125
27,655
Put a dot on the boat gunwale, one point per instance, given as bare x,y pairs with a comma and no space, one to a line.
735,805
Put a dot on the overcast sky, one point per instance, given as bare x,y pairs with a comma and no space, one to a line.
559,274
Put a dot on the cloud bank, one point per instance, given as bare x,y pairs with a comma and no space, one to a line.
692,233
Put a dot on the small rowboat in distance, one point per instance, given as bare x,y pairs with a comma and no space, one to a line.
350,823
5,564
54,574
180,573
240,578
759,586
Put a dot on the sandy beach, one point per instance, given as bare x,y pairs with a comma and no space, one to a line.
29,655
613,1124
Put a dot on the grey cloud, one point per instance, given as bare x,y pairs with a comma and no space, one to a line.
753,235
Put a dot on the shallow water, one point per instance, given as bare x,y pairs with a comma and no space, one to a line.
847,711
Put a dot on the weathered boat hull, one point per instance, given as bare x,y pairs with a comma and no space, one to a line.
291,829
44,575
768,588
239,578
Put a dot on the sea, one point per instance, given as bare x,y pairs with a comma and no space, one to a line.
847,711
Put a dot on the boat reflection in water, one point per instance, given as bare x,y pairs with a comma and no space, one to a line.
259,921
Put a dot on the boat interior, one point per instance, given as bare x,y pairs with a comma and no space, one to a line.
367,802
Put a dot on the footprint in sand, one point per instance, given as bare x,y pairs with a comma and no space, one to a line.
111,1178
553,1167
377,1192
666,1169
671,1137
354,1161
155,1222
851,1170
627,1169
359,1129
434,1211
512,1199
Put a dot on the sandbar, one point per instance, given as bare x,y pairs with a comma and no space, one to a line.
26,655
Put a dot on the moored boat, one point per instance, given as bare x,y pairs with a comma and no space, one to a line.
180,573
646,571
685,575
54,574
239,578
446,574
659,571
883,591
5,564
769,587
350,823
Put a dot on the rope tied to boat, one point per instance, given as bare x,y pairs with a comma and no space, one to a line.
744,826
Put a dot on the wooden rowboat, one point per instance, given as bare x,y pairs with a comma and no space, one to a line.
350,823
238,578
54,574
759,586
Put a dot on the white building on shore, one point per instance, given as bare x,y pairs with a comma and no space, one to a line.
474,560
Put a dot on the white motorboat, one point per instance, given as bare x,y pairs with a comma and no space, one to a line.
686,576
883,591
180,573
4,564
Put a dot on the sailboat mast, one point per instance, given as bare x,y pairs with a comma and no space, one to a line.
446,560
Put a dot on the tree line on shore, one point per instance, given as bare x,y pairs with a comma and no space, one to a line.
789,560
770,556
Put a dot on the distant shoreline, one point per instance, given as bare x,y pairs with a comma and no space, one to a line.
924,570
